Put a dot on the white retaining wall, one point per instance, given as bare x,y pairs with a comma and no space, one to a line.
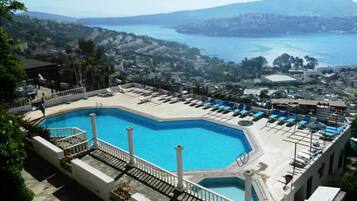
47,150
93,179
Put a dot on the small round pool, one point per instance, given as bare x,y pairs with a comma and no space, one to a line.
207,145
231,187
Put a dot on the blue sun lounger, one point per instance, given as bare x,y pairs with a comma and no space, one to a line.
283,117
217,105
329,133
334,129
223,105
245,111
305,121
274,115
228,108
208,103
258,115
292,120
237,111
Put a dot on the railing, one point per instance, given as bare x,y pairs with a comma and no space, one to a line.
63,132
74,91
18,103
74,150
202,192
162,174
18,106
73,139
112,150
156,171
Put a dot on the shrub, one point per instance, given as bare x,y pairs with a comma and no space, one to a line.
12,154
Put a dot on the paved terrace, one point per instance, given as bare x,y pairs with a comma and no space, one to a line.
49,184
273,144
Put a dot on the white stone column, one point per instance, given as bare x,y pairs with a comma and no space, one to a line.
131,146
248,174
94,129
180,186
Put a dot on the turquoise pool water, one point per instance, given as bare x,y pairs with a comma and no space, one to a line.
206,145
231,187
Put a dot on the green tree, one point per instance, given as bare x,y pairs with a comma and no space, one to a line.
12,153
311,62
297,62
255,64
95,67
264,94
354,128
283,62
11,70
349,184
9,7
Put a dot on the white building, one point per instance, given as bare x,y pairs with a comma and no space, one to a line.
324,193
279,79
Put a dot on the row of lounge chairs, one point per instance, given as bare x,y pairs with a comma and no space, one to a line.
225,107
285,117
331,131
242,110
291,119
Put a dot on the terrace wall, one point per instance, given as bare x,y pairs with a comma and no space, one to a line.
93,179
47,150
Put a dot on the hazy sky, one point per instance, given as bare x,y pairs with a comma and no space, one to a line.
106,8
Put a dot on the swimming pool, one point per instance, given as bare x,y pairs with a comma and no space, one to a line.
231,187
206,145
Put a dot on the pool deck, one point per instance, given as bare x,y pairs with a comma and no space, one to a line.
273,145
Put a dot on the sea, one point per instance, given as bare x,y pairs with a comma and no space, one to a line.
331,49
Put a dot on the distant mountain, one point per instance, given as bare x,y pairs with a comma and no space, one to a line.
323,8
48,16
269,24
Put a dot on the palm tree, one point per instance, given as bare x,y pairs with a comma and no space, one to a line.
95,67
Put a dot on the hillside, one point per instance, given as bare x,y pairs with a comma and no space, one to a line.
129,53
268,24
323,8
48,16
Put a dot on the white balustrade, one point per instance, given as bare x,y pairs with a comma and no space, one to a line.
21,105
18,103
74,91
64,132
112,150
81,136
162,174
74,150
